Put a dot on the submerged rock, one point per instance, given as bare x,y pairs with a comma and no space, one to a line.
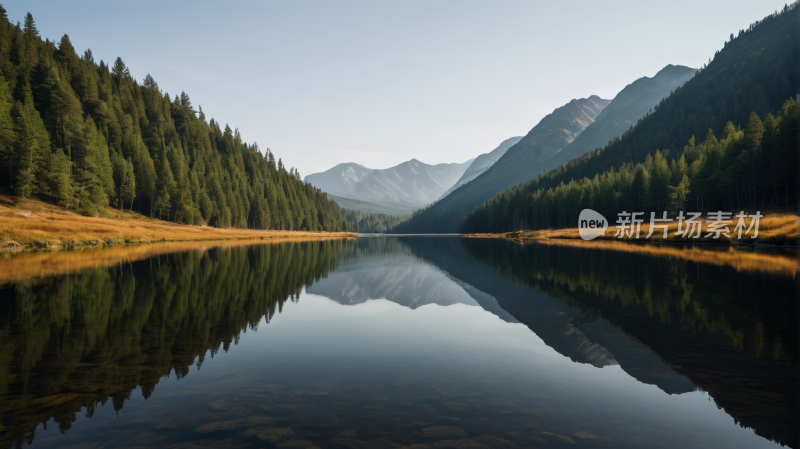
443,432
479,442
252,421
295,443
319,421
275,434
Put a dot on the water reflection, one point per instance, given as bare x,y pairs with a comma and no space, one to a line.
390,344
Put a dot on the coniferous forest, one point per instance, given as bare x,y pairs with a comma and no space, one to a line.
754,71
86,135
753,168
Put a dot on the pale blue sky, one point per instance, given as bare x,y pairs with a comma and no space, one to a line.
379,82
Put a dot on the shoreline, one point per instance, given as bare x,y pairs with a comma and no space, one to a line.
34,226
775,231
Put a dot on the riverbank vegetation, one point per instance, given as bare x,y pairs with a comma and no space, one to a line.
86,135
748,169
773,229
37,225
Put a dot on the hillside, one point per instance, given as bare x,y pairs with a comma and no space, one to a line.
755,72
87,135
409,185
550,135
482,163
366,206
737,119
627,107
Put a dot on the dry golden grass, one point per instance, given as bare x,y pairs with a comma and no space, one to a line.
37,225
31,265
740,258
777,229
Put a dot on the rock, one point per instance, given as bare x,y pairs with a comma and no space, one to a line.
252,421
456,406
10,246
346,435
221,404
480,426
283,406
182,421
295,443
494,442
566,439
504,404
379,428
443,432
275,434
311,393
382,443
345,443
480,442
319,421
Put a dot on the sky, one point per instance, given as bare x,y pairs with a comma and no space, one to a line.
379,83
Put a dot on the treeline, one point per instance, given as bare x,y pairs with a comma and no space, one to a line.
87,135
756,70
747,169
370,222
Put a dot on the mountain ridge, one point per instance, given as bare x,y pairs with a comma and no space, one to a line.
482,163
408,185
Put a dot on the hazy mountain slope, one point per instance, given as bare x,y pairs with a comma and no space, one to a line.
482,163
755,72
627,107
412,184
339,179
519,163
366,206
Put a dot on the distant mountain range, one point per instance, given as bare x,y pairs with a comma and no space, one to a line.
410,185
482,163
569,131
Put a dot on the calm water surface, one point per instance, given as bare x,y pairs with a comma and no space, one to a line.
393,342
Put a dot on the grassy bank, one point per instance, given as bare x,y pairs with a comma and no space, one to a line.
35,225
773,229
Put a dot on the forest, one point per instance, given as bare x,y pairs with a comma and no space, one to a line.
753,168
86,135
755,70
370,222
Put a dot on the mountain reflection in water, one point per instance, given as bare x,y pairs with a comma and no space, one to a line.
383,342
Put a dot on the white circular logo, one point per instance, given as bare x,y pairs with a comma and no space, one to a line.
591,224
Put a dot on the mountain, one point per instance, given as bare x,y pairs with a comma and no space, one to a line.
410,185
519,163
482,163
687,152
374,208
627,107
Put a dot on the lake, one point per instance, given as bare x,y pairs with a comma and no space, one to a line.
392,342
